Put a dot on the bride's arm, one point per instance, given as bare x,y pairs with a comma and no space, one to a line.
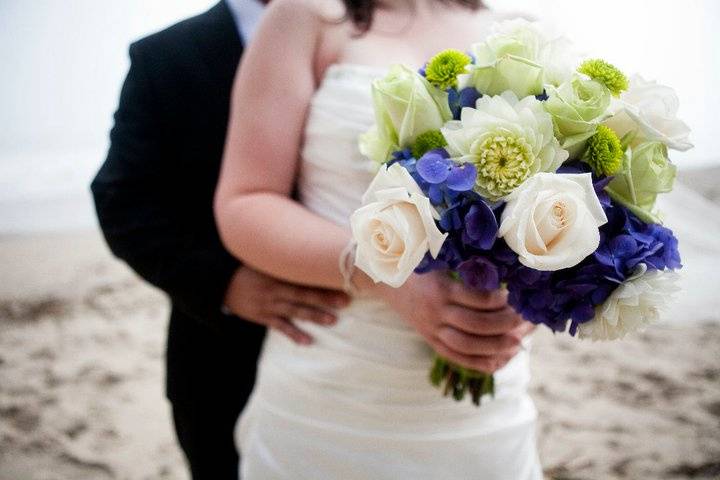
257,220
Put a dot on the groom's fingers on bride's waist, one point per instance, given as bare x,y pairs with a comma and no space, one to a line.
486,301
290,330
299,311
469,344
317,297
479,322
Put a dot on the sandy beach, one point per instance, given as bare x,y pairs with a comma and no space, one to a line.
82,393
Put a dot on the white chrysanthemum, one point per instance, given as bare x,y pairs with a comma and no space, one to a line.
632,306
507,139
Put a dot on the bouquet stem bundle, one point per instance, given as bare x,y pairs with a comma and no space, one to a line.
456,380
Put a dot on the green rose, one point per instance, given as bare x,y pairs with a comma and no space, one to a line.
406,106
577,107
507,62
519,56
645,173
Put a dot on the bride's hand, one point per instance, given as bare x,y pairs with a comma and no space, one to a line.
474,329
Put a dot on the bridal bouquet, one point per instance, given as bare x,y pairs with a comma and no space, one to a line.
519,166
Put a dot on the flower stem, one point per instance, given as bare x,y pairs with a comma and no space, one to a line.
453,378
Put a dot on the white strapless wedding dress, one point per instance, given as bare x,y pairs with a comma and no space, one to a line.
358,404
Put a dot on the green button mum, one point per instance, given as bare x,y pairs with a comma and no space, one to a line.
605,73
604,151
442,70
426,142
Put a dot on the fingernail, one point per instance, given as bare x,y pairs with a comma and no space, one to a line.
328,319
340,302
305,341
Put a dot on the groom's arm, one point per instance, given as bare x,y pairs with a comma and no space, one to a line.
138,193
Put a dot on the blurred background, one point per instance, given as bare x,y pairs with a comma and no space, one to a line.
81,339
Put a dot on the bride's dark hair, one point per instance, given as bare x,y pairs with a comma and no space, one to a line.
360,12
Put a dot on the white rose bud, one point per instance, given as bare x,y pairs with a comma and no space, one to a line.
394,228
551,221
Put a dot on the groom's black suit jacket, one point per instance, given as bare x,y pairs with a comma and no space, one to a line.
154,197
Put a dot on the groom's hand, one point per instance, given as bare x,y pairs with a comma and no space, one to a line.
276,304
474,329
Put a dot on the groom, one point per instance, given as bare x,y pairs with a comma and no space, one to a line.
154,197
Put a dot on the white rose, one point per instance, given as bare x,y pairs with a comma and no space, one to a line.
560,59
395,228
551,221
650,110
633,305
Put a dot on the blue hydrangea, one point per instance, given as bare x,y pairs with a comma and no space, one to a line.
457,100
472,247
626,241
485,262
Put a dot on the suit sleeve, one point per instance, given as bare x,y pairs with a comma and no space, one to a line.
138,199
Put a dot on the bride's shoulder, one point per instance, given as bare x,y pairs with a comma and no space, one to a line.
307,11
299,22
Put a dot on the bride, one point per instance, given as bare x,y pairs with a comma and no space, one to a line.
357,403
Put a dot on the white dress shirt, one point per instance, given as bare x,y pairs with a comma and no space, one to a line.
247,15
